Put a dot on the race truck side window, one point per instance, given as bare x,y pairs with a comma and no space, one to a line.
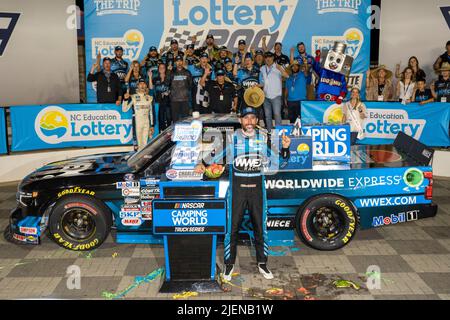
161,164
152,150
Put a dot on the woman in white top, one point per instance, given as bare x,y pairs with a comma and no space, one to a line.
406,86
354,112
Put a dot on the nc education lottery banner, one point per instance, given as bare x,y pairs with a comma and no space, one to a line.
428,123
3,138
138,24
65,125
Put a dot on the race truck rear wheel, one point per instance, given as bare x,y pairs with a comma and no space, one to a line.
79,223
327,222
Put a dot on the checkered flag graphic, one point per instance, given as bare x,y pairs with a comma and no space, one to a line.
202,97
7,24
182,36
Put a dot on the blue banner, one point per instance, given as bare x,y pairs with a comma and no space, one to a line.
3,137
137,25
328,142
427,123
70,125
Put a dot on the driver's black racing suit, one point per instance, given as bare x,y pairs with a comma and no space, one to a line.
251,157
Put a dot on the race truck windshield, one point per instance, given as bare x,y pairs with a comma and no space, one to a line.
151,150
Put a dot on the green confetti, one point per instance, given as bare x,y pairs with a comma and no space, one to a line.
346,284
137,282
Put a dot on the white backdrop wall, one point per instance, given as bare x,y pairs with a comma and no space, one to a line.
413,28
39,64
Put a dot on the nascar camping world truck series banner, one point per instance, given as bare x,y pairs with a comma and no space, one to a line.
138,24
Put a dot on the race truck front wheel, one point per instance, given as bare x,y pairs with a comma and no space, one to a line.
327,222
79,223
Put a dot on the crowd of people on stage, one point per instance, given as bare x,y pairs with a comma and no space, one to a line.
211,79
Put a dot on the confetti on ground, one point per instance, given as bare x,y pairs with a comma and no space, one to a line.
275,291
346,284
304,291
115,254
185,295
277,253
87,255
377,275
137,282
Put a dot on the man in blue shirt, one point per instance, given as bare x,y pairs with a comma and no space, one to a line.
295,90
304,58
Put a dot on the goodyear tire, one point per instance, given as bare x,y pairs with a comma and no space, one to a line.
79,223
327,222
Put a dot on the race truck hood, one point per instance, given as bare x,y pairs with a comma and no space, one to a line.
82,166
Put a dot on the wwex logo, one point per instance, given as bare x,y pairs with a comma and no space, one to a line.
7,24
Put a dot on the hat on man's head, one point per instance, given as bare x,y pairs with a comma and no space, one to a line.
248,110
224,48
173,41
204,55
269,54
220,72
227,60
177,58
210,36
254,97
289,69
444,67
117,48
152,48
259,53
142,80
248,55
242,41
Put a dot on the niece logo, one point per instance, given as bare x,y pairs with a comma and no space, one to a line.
55,125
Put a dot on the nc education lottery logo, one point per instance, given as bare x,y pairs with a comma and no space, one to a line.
131,42
338,6
386,124
353,38
108,7
227,20
56,125
381,123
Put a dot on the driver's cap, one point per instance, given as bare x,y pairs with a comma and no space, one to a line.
248,110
